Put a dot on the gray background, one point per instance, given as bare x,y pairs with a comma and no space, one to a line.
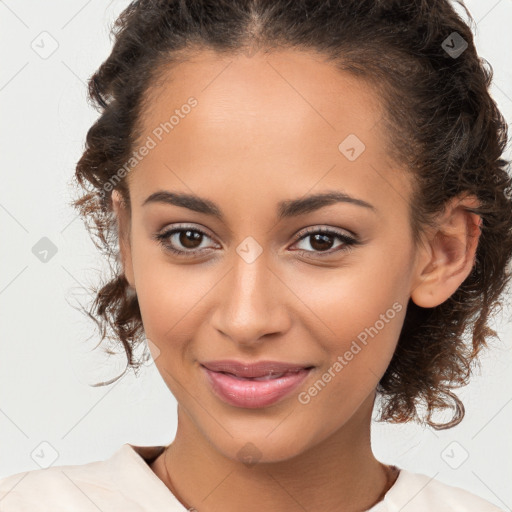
46,356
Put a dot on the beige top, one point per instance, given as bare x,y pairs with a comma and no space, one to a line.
125,483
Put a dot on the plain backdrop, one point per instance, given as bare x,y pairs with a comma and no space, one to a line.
49,414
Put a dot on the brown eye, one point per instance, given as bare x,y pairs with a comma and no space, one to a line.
322,240
185,241
190,238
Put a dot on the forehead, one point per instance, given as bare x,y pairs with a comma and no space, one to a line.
289,117
287,89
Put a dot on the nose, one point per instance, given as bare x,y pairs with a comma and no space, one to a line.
251,303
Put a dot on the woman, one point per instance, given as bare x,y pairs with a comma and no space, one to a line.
312,211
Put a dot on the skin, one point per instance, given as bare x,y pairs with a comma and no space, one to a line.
267,129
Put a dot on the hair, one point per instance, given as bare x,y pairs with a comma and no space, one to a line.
440,119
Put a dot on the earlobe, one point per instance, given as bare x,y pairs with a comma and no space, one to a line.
122,214
448,254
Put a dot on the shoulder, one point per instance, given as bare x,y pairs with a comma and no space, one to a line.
55,488
86,487
420,493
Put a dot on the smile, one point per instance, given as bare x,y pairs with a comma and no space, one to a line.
258,391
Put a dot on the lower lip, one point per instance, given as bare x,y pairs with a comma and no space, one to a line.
253,394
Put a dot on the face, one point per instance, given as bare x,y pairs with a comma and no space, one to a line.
260,281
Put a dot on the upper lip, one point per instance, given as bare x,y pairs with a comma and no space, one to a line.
257,369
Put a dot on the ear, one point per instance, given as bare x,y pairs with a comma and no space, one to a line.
448,254
122,214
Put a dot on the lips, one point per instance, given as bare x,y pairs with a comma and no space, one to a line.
253,385
258,370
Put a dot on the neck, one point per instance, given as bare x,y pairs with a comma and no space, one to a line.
339,473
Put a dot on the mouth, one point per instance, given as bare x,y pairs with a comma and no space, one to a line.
254,385
257,370
259,379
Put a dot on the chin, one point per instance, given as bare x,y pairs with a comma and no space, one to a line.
267,446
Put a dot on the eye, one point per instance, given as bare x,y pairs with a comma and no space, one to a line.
188,237
321,241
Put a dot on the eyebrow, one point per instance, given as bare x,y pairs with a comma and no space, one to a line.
285,209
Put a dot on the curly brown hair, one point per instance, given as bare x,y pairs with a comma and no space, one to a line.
440,120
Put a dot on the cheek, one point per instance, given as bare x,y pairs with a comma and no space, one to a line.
171,299
168,302
349,302
366,330
357,323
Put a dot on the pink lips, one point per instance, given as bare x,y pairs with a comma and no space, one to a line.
253,385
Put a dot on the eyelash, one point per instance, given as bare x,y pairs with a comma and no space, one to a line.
348,241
